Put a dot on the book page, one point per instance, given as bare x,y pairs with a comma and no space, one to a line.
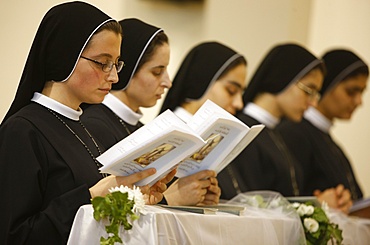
159,126
225,136
221,137
160,144
207,114
251,134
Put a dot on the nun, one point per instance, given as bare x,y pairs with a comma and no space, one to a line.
48,157
285,84
211,70
146,52
142,82
324,162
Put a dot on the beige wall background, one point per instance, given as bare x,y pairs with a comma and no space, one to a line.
251,27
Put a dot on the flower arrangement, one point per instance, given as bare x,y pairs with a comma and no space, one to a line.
317,226
121,207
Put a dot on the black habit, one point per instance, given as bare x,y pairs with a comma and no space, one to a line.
106,126
46,171
45,175
264,164
324,163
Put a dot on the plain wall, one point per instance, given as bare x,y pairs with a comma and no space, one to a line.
251,27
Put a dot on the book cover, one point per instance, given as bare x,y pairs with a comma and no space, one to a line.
192,209
361,208
228,208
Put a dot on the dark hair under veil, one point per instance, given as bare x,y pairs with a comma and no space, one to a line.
202,66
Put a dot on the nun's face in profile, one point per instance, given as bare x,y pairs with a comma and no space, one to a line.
149,83
296,98
344,98
89,83
228,90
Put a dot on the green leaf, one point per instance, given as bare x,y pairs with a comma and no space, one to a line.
336,233
327,231
117,208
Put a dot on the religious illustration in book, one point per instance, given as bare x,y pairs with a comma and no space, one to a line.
156,153
212,141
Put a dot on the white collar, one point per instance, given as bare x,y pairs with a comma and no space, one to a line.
121,109
318,119
183,114
57,106
261,115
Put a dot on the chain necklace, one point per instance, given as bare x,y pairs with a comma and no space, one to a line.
122,123
82,142
275,136
234,181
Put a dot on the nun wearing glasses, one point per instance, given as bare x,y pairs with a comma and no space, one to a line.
284,85
48,156
324,162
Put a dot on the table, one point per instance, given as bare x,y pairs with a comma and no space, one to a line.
355,230
162,226
166,226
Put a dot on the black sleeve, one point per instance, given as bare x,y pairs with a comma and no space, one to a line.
31,214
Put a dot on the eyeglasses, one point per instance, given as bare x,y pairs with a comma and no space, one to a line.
107,67
312,93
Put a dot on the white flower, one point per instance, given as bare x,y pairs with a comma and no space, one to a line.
303,209
133,194
296,205
309,210
311,225
139,201
325,207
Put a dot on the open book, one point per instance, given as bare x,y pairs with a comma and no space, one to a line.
160,144
211,140
225,135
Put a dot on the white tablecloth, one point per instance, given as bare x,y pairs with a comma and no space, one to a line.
166,226
355,230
